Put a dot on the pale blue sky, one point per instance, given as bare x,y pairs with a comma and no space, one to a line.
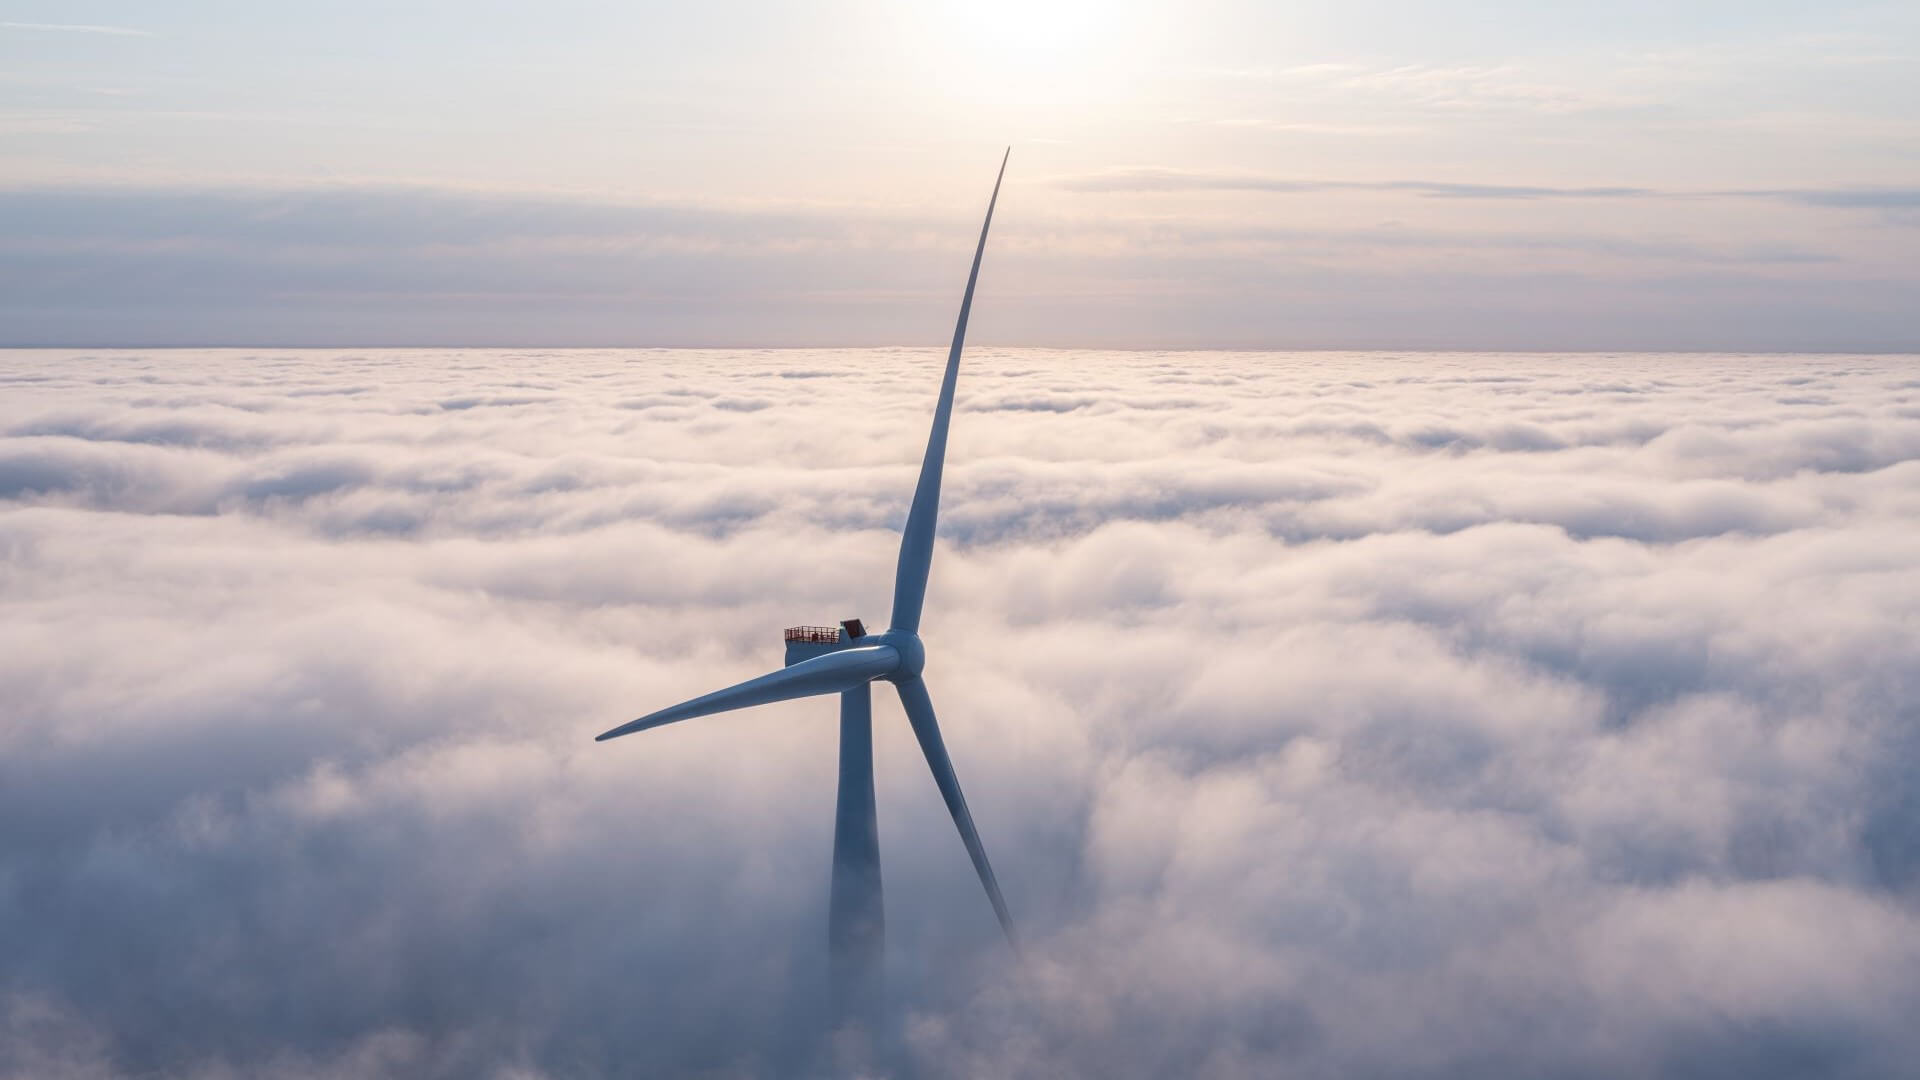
1482,174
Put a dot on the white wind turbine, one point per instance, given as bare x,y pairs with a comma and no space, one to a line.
846,660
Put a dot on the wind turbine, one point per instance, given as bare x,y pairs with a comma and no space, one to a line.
846,660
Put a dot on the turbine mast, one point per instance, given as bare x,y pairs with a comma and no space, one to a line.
856,916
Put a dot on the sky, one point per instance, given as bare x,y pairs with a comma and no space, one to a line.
1325,714
1486,174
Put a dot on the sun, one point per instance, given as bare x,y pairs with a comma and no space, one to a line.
1055,29
1031,50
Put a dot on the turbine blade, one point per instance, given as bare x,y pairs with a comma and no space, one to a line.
913,695
916,540
828,674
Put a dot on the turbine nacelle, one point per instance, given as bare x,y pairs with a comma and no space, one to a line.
812,642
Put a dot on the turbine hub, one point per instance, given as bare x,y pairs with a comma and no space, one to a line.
913,655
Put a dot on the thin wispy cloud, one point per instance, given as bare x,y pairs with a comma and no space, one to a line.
1845,198
1152,179
78,28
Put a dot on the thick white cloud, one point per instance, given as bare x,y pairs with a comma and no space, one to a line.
1325,714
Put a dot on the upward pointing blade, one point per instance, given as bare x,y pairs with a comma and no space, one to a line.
913,695
916,541
828,674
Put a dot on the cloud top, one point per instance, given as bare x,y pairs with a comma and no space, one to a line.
1324,714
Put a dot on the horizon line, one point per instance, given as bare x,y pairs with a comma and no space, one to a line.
1904,350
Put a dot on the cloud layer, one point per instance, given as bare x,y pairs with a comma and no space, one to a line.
1324,714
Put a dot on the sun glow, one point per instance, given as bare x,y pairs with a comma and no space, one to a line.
1034,51
1053,29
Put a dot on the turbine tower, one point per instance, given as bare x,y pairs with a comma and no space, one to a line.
847,660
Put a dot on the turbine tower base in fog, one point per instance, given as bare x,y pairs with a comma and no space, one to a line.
856,910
